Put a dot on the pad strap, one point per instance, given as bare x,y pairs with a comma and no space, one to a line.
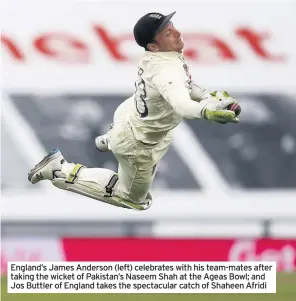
74,173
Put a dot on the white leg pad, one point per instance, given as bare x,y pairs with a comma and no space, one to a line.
94,191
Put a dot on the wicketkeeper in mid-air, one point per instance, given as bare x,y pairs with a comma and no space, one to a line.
143,124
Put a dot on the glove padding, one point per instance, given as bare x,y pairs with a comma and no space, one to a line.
217,110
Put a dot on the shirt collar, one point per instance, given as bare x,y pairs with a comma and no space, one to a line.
166,54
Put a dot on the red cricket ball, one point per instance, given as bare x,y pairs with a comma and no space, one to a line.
235,107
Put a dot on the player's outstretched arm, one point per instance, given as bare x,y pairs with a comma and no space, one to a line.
170,84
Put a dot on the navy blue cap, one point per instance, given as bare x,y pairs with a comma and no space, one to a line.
149,26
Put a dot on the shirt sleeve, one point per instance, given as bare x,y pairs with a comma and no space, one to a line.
170,81
198,93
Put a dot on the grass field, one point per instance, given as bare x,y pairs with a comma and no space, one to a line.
286,291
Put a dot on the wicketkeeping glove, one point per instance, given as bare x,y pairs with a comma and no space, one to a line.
217,110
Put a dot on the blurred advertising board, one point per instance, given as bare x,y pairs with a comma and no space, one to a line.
48,47
150,249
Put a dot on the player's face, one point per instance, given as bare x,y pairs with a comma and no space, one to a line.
169,39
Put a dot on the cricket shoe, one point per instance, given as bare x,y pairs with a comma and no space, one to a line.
102,143
48,168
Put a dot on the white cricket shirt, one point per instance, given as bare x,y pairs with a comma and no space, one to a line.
163,96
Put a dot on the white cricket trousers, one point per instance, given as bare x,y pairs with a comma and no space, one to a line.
137,164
